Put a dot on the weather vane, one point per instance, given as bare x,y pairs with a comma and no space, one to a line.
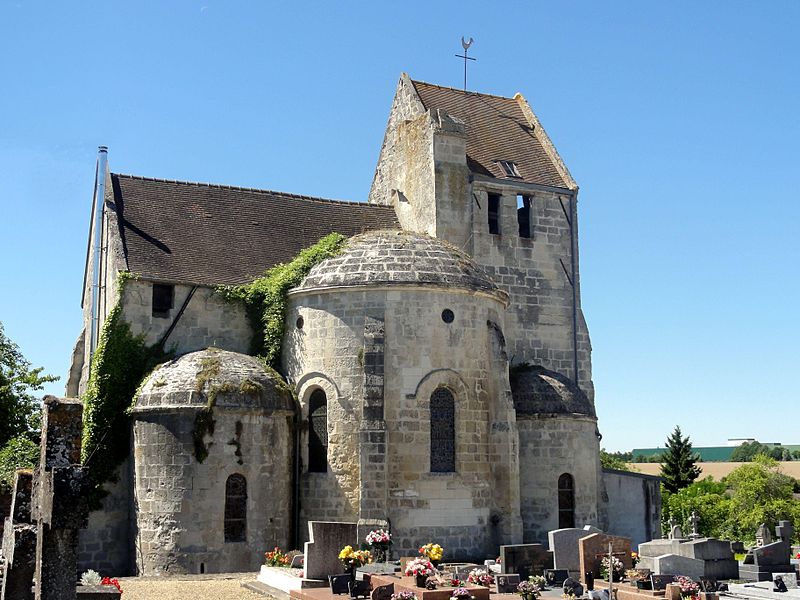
465,44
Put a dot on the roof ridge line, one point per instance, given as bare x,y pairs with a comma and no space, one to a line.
243,189
455,89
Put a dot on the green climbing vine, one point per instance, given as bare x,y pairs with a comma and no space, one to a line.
265,298
119,364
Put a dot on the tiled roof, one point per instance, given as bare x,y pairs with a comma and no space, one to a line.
213,234
497,129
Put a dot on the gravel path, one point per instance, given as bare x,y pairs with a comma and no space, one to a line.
197,587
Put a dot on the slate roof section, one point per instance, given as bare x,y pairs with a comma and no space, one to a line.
537,390
221,235
497,129
392,257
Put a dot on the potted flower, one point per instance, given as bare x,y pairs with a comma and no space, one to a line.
352,559
689,589
614,566
276,558
433,552
528,590
404,596
379,540
480,577
461,593
420,569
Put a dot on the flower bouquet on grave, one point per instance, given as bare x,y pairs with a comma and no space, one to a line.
461,593
379,540
528,590
421,569
615,566
352,559
480,577
634,559
538,580
404,596
689,589
276,558
433,552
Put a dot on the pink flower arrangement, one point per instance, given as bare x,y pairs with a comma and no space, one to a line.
689,589
419,567
480,577
378,536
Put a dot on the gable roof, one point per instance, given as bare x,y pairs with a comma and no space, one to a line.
209,234
500,128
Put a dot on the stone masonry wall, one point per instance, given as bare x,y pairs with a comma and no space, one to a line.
209,320
539,319
548,447
405,107
181,502
421,352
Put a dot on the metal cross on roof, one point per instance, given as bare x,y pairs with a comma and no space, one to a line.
465,44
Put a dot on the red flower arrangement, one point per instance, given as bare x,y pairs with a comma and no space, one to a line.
114,582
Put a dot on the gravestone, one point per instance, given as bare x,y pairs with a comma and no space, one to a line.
358,589
675,533
297,562
694,520
763,536
790,579
784,532
19,542
506,583
339,584
525,559
572,587
675,564
60,499
564,546
762,561
659,582
555,577
326,539
382,592
594,547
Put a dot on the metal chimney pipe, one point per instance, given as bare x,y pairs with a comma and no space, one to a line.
97,234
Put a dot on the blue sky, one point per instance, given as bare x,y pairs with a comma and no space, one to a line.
678,120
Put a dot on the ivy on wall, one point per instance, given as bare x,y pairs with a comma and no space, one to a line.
119,364
265,298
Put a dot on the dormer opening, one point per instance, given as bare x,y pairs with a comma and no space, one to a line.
509,168
163,298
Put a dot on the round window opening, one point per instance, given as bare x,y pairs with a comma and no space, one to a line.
447,315
299,322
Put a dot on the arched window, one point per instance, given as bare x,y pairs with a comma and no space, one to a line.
566,501
236,508
443,431
318,432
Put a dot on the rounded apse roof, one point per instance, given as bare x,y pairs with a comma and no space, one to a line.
226,379
394,257
537,390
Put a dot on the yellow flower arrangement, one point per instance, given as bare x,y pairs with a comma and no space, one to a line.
352,559
432,551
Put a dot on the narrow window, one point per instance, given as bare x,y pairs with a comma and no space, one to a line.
524,216
318,432
236,508
494,213
566,501
163,296
443,431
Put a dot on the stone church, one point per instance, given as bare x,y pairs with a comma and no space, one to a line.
436,374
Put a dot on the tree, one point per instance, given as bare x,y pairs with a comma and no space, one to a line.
759,493
748,450
706,497
679,468
18,453
19,408
615,460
